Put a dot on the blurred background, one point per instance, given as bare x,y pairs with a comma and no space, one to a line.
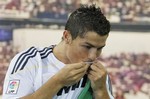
26,23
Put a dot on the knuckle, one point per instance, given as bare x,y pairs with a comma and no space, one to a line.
71,73
95,79
74,78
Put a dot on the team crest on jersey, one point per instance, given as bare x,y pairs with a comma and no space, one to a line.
13,87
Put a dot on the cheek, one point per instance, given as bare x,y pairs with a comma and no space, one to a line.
81,53
78,54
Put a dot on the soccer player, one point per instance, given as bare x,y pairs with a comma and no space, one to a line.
61,71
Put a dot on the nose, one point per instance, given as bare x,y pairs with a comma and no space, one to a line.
93,54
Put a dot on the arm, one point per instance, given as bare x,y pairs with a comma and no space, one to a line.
100,82
105,92
69,75
101,94
47,91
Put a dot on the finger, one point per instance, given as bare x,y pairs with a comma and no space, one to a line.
80,70
77,77
95,68
92,73
97,72
91,77
78,65
98,66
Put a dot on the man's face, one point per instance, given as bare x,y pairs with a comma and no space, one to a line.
87,48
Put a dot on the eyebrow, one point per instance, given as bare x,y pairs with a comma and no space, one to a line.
93,45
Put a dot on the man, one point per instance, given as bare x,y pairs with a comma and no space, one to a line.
61,71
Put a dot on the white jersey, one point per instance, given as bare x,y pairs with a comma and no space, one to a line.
30,69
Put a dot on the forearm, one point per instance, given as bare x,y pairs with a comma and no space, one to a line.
47,91
102,94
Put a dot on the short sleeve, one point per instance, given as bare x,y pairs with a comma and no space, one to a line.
19,80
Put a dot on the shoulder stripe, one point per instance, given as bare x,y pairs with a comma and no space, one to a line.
24,59
43,49
30,56
48,52
20,58
42,53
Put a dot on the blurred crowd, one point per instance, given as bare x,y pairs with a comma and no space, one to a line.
129,72
115,10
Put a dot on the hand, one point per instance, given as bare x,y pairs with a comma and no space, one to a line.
97,74
72,73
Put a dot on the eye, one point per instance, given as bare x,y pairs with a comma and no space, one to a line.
87,47
100,48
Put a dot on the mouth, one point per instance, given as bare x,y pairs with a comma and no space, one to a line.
89,63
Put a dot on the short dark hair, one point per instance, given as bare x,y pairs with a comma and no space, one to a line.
87,18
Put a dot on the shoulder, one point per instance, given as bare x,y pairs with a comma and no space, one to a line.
29,58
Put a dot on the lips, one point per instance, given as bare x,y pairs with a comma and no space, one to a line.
90,63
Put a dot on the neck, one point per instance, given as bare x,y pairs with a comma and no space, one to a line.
60,52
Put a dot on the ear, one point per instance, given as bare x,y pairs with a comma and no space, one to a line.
67,37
